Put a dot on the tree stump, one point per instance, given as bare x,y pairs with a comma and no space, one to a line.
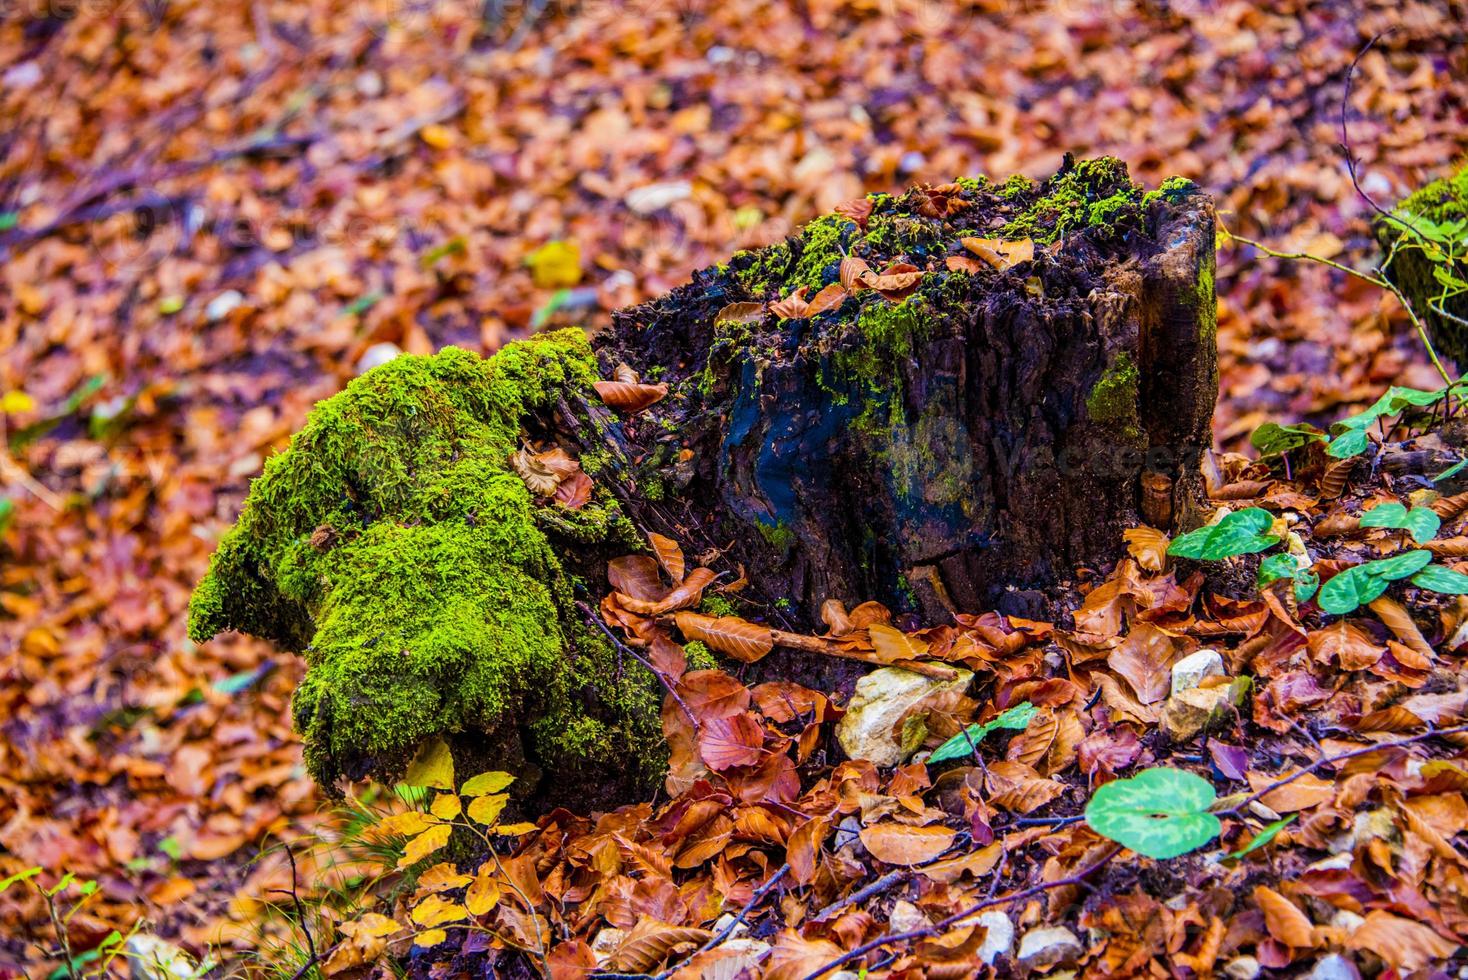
943,401
1434,216
970,436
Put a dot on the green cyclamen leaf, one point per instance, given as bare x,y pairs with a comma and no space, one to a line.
1307,583
1276,567
960,745
1273,439
1264,836
1348,444
1361,584
1239,533
1160,813
1440,579
1421,521
1399,566
1351,589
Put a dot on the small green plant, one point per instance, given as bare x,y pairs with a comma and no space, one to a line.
1264,836
960,745
63,901
1243,532
1349,436
1276,567
1159,813
1361,584
1422,522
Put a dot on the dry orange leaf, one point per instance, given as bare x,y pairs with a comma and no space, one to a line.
629,399
1148,546
1283,919
689,592
829,298
729,635
897,843
1404,944
1001,254
669,555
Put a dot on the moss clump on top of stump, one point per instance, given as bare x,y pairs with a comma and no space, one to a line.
394,547
1440,207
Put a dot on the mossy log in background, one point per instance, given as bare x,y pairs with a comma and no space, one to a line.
1443,202
987,432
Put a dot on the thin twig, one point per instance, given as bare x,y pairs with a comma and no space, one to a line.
300,909
1342,757
591,617
727,931
942,926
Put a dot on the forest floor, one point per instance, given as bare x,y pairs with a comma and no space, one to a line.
319,178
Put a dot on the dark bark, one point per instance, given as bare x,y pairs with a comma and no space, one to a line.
971,446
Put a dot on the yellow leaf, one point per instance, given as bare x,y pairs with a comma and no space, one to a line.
425,844
440,878
483,894
435,911
430,938
17,403
405,824
433,766
437,136
372,924
486,782
487,809
514,829
447,806
555,265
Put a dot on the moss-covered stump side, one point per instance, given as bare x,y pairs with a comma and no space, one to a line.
988,432
1440,207
393,546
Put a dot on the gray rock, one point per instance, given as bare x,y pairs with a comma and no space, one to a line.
1334,967
877,708
152,957
999,940
377,355
222,305
1190,671
1241,968
1049,946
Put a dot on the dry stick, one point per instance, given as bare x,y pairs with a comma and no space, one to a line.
940,927
724,933
591,617
1331,759
815,644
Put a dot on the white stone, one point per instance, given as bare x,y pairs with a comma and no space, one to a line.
728,919
1188,712
1241,968
1049,946
222,305
905,917
654,197
877,708
1346,921
376,356
605,943
1190,671
1334,967
999,940
153,958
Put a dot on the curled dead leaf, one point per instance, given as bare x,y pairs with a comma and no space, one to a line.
630,399
1001,254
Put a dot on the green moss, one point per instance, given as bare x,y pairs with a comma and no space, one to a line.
717,605
1015,186
1442,200
1095,194
1114,398
393,545
974,185
777,536
820,252
763,271
699,656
